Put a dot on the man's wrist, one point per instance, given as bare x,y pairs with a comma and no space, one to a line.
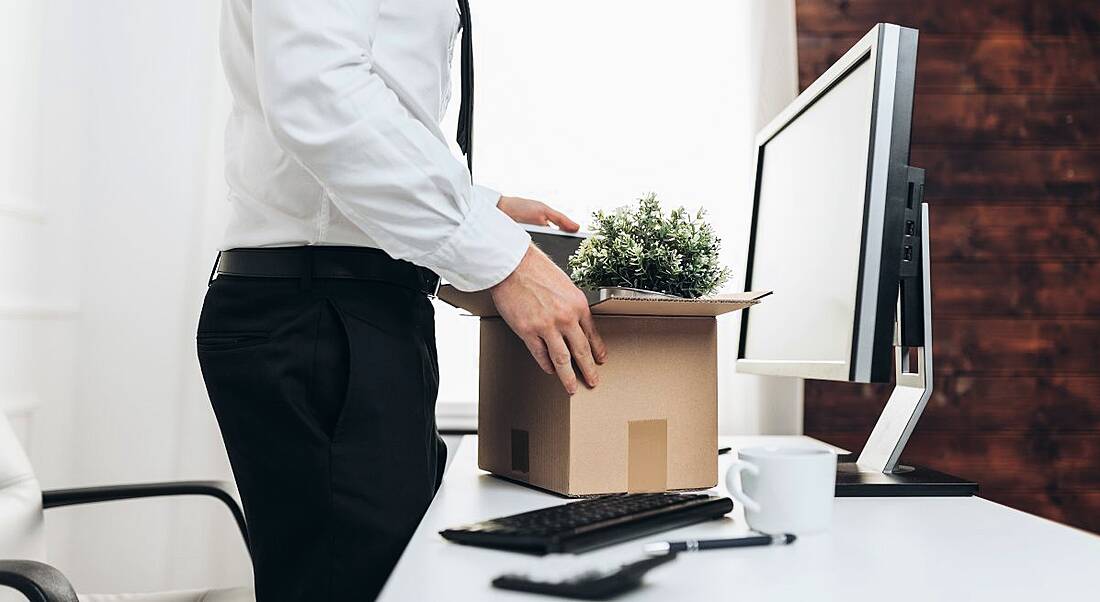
525,258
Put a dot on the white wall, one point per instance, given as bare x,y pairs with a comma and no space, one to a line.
39,305
130,105
110,201
589,105
35,309
750,404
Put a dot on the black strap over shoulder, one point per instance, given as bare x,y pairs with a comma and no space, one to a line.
465,135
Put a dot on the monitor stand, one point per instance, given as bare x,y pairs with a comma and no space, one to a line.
876,472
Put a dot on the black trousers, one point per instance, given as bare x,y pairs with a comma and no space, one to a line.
324,391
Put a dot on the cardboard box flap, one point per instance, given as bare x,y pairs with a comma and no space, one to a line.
630,302
619,302
478,303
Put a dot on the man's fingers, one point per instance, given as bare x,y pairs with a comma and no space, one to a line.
561,220
582,354
595,341
562,361
538,351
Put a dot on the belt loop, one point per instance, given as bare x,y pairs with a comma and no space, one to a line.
214,270
307,268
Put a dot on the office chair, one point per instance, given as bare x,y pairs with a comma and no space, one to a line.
22,540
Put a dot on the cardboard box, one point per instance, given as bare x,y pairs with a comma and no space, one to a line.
650,425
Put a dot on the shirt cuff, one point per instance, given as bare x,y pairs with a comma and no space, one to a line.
484,249
484,194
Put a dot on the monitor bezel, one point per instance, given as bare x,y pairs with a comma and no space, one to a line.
893,50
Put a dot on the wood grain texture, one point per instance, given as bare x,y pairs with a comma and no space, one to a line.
1014,232
1026,288
981,62
1013,347
1014,174
1019,462
964,404
1006,125
1017,120
951,16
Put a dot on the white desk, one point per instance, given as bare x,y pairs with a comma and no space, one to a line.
878,549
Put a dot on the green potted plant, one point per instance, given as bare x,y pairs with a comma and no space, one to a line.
643,248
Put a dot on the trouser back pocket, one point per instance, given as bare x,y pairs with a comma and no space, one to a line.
221,341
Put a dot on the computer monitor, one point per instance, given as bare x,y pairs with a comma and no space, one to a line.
839,233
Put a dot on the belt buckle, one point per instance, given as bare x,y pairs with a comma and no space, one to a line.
432,281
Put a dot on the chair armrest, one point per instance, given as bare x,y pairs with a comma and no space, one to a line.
37,581
108,493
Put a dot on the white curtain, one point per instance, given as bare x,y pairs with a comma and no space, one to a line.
584,104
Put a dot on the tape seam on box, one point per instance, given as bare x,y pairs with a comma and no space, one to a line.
647,456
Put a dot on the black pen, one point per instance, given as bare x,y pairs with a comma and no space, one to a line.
697,545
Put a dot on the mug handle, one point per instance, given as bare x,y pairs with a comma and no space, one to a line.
738,494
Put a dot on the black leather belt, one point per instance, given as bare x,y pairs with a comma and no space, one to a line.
352,263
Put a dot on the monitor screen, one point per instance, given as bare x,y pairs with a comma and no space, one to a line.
808,231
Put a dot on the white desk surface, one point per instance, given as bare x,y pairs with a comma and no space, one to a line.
878,549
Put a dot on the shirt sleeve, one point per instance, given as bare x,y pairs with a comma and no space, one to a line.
328,106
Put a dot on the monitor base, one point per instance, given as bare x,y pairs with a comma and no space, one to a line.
914,481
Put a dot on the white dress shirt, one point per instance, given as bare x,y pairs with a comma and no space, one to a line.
334,138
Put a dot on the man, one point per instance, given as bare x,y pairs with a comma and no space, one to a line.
316,338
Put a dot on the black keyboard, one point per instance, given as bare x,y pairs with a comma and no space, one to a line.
591,523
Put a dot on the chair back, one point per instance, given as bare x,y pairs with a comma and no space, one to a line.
21,522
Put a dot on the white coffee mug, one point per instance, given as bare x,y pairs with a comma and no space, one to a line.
785,489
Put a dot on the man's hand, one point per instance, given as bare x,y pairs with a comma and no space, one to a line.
526,211
550,314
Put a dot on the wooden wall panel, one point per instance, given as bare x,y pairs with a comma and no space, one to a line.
1006,125
1011,462
1013,347
955,119
995,16
964,404
1017,288
979,62
1013,232
1028,174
